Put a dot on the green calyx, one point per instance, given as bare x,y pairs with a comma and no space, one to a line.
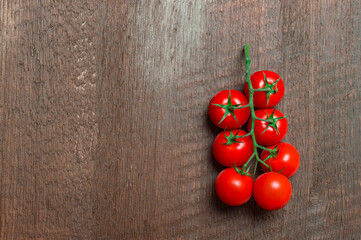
268,88
243,171
229,108
272,87
233,138
273,153
272,122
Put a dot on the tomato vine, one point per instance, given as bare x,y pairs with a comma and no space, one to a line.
267,126
268,88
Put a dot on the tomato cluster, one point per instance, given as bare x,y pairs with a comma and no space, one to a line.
234,148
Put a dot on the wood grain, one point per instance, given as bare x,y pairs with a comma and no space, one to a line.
104,132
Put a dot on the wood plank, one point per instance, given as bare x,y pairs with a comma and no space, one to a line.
104,132
48,127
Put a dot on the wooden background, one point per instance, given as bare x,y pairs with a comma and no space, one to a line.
104,132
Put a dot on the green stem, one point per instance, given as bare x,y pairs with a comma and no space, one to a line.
263,148
255,168
259,160
265,120
253,115
246,135
262,90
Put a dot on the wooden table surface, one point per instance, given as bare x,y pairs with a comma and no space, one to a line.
104,132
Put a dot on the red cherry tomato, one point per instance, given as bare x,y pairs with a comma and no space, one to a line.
230,150
260,98
224,109
233,188
287,159
269,133
272,191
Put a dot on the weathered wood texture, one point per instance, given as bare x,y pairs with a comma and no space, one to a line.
104,132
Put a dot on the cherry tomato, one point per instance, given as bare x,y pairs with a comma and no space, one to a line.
269,133
260,98
230,148
287,159
233,188
225,109
272,191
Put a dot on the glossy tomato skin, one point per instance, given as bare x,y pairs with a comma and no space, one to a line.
234,154
232,188
260,98
287,158
216,113
270,136
272,191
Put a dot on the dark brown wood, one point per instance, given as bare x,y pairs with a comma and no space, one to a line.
104,132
